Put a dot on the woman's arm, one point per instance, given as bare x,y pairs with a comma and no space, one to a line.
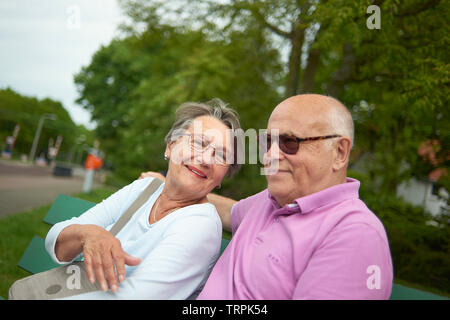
68,244
176,267
86,234
103,253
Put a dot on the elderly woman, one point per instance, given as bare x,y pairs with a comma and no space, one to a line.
168,248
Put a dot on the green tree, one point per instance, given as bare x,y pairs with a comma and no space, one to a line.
393,79
398,90
172,65
26,111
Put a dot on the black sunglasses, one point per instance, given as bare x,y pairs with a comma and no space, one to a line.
289,144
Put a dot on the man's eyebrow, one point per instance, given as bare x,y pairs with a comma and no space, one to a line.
281,133
288,132
319,125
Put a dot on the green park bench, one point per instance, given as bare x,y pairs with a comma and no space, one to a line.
36,259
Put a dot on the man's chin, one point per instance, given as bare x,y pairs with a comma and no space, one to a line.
277,188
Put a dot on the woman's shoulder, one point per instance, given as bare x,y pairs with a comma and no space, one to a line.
202,214
141,183
138,185
206,209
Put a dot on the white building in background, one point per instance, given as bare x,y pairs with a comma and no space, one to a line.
424,193
427,192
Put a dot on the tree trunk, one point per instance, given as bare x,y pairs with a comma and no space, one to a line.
344,72
294,62
310,71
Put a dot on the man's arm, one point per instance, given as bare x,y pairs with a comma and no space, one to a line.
353,263
223,206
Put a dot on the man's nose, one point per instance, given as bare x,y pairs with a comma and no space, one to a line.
273,154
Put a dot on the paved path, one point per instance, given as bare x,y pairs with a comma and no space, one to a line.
24,187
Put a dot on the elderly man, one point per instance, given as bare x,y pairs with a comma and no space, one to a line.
308,235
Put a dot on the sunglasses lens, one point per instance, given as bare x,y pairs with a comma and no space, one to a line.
288,145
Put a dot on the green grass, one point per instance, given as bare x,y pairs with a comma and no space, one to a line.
226,235
17,230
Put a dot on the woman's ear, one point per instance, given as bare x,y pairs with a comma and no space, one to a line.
167,151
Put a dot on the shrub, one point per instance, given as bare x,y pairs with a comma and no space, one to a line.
420,252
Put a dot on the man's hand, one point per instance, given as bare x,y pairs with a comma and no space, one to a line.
152,174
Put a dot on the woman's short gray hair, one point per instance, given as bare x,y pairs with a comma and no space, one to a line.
216,108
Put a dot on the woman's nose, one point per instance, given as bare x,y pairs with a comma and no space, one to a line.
208,156
204,158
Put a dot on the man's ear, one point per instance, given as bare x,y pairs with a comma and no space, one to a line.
342,151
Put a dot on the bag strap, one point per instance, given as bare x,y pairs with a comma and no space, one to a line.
141,199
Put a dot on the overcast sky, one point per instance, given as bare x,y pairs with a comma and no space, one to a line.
43,43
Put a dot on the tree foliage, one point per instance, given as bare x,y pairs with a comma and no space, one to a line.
394,79
26,111
134,85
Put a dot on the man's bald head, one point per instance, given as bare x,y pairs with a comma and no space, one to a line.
317,164
324,110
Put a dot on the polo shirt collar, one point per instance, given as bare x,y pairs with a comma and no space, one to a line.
334,194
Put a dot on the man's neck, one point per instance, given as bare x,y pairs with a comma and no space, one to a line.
337,179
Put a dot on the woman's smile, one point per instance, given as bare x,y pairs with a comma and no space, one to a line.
197,172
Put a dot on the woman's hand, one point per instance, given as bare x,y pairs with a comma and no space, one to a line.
152,174
104,257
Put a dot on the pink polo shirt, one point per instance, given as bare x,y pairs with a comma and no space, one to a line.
327,245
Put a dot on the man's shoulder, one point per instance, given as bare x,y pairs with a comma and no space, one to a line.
355,212
243,207
256,198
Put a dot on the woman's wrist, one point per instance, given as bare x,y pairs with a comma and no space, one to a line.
70,242
84,231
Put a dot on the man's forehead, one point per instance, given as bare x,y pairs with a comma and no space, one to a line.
294,125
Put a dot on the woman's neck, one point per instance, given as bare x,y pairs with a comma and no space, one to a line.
171,198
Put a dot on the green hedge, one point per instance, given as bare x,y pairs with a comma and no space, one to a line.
420,252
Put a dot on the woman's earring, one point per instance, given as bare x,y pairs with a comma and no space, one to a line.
165,157
219,186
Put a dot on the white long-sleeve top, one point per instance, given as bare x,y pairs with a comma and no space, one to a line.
177,252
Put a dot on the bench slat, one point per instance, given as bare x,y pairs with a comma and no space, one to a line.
65,208
35,258
400,292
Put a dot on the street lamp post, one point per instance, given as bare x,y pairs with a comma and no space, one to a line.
50,116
